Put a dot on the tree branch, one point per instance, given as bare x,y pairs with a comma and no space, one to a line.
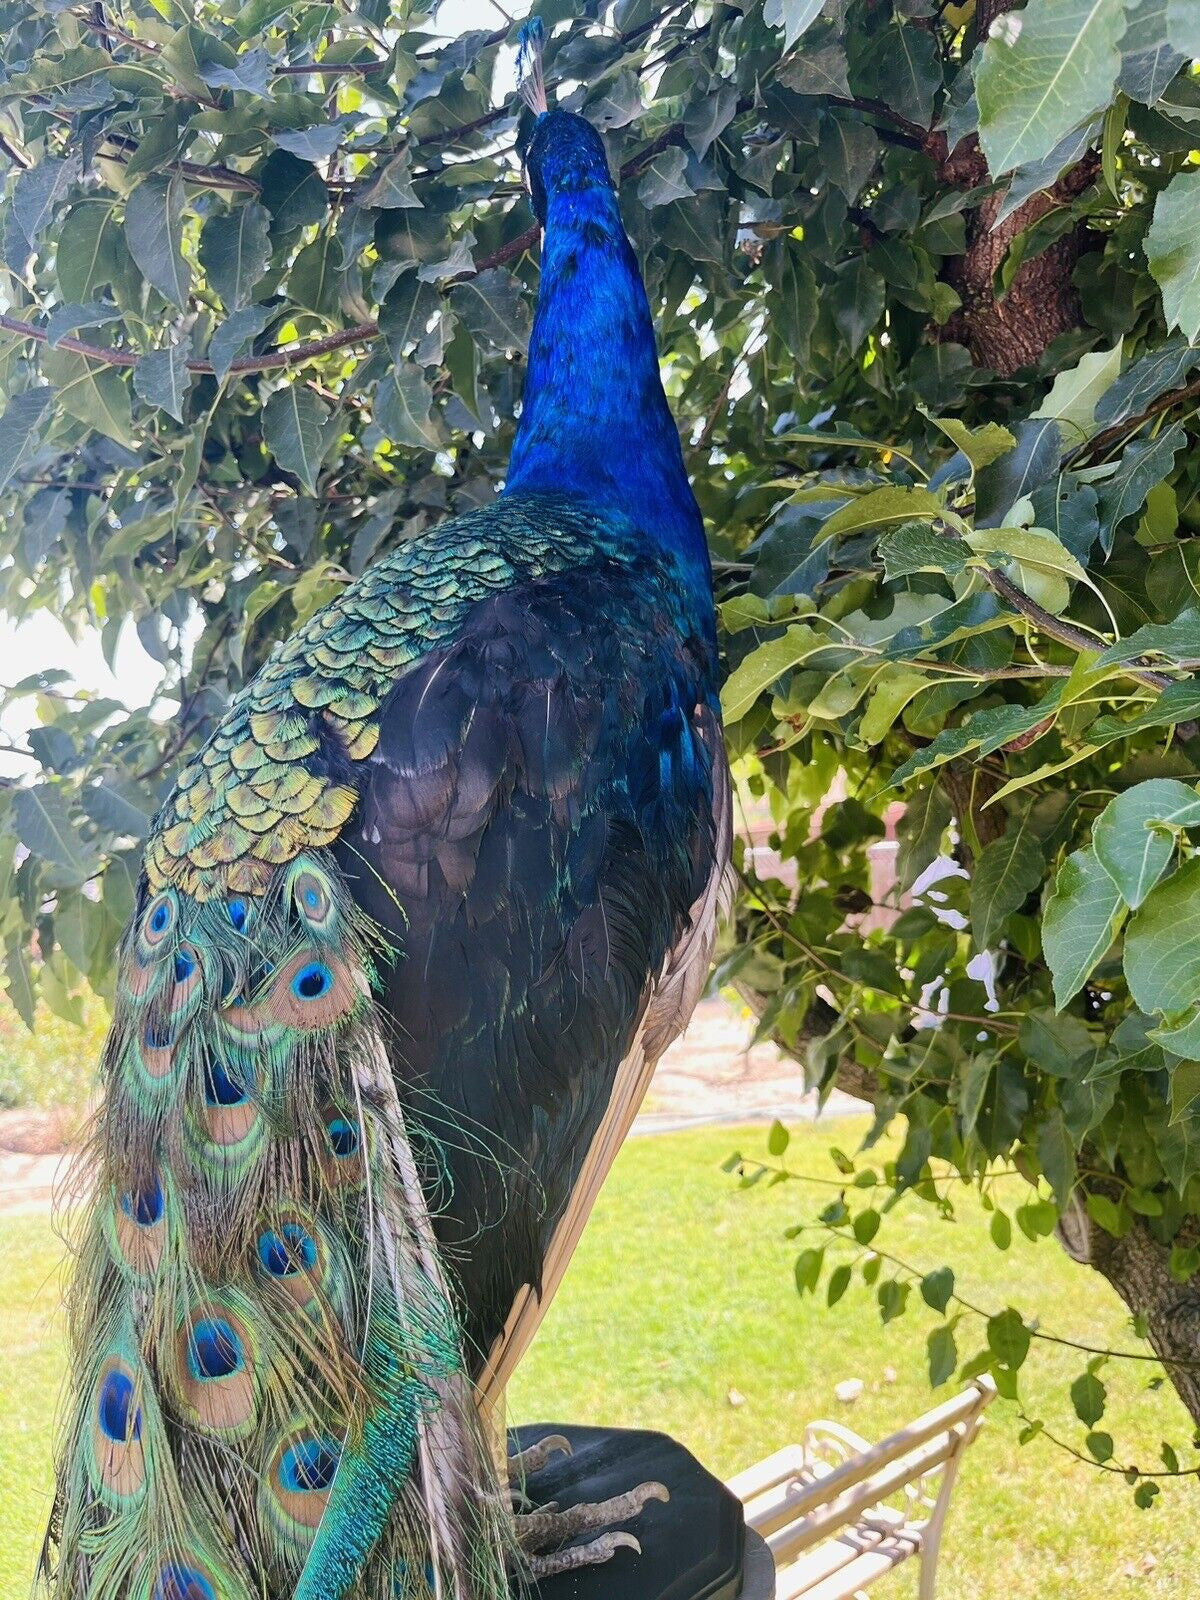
1101,441
1065,632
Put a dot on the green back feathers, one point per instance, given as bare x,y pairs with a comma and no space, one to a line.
252,799
261,1341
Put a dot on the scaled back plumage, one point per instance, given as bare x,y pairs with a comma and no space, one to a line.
416,920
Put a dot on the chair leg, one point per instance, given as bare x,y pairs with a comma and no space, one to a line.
931,1537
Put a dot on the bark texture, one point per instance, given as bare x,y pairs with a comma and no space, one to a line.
1013,330
1138,1268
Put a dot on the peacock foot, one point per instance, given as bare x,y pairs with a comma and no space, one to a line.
523,1464
544,1536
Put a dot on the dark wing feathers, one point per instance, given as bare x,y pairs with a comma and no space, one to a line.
536,824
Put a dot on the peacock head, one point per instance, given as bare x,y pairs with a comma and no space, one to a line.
565,154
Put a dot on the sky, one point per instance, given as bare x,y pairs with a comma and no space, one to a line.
42,641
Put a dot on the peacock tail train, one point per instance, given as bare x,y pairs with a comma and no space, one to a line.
266,1359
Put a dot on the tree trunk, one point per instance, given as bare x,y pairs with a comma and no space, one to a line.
1013,330
1138,1267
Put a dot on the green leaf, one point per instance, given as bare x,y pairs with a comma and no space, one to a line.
942,1354
1006,874
1148,61
1157,372
865,1226
298,431
154,231
162,378
892,1295
91,251
1088,1396
1183,27
920,830
1176,640
68,319
981,446
112,810
1177,1145
19,980
1178,703
839,1282
848,151
937,1288
1056,1152
251,72
1008,1338
1079,923
765,666
1162,945
1018,472
856,302
663,180
36,193
1045,69
986,730
879,507
316,276
794,304
293,191
392,189
233,335
316,143
902,66
1076,391
778,1139
1060,1046
404,406
95,393
915,547
1132,836
19,428
1100,1445
1185,1088
892,692
1172,248
44,826
1144,463
816,72
706,119
406,312
1034,559
493,308
795,16
235,248
807,1270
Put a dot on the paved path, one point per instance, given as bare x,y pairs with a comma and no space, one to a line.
712,1076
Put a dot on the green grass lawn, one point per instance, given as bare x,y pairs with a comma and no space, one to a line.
681,1292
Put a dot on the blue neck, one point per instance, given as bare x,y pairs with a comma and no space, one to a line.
595,420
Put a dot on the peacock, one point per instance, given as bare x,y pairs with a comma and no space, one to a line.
412,929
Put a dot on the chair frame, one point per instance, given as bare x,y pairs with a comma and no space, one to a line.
837,1512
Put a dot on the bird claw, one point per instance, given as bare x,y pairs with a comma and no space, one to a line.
524,1463
592,1554
540,1531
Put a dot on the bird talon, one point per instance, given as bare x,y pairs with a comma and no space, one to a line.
592,1554
524,1463
548,1529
